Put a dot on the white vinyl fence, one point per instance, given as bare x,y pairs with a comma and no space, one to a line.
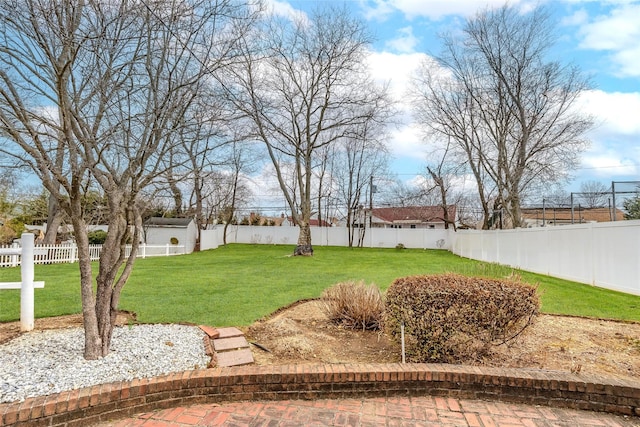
600,254
68,253
422,238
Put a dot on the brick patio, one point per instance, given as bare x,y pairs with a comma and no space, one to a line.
318,382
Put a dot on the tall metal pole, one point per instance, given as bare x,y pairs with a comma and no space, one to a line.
613,196
571,208
370,201
543,211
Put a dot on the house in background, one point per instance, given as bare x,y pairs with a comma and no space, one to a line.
313,222
178,231
539,217
411,217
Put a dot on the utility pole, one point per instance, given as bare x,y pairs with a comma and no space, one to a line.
613,196
571,208
370,201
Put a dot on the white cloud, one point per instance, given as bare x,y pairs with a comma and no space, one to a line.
284,9
607,164
615,112
615,150
405,42
396,69
433,9
579,17
617,32
407,142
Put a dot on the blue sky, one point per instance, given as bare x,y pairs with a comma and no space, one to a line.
601,37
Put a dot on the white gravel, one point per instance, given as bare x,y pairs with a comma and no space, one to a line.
45,362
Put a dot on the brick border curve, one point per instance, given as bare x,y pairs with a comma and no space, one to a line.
274,382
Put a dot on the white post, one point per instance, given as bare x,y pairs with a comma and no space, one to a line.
14,258
26,290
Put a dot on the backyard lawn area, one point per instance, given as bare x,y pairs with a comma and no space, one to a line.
238,284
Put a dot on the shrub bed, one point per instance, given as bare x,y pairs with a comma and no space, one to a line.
452,318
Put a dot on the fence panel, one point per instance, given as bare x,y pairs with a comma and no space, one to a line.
600,254
422,238
617,263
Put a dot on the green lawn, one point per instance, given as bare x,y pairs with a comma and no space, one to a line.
237,284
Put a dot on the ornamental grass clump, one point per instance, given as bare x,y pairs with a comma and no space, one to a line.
354,305
451,318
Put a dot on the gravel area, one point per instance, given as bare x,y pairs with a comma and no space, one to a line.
46,362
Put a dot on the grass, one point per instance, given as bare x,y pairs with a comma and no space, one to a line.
238,284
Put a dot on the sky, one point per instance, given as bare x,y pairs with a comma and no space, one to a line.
600,37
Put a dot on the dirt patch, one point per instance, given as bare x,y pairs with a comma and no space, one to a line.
302,333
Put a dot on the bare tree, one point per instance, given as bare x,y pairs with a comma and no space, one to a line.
442,175
226,190
356,161
445,109
107,84
304,85
210,150
595,194
508,107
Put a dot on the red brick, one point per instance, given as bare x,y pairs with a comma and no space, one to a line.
62,402
24,413
10,415
94,397
49,407
37,407
229,332
210,331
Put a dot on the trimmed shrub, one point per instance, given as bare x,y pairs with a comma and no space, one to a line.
97,237
453,319
354,305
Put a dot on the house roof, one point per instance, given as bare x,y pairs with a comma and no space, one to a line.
579,214
169,222
313,222
413,214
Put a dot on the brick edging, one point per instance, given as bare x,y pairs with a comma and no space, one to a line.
123,399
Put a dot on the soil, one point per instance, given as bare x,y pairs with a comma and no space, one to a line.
301,333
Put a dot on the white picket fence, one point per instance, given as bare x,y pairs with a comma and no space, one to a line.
68,253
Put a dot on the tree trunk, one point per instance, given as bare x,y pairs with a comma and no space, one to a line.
92,341
304,241
54,220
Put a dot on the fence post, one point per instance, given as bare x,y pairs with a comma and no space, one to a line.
26,290
14,258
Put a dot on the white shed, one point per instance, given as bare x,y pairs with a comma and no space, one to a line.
177,231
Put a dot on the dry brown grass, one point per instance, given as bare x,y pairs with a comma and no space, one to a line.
354,305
